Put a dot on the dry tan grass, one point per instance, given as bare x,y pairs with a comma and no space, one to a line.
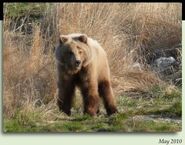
128,32
28,78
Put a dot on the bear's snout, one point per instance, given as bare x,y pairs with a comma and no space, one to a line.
77,63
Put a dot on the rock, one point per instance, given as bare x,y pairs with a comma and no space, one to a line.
169,69
163,64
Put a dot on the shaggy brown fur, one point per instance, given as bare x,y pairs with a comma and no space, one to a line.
82,62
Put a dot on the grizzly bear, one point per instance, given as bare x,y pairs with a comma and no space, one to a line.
82,62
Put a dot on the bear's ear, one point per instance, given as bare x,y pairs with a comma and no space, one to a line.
83,38
63,39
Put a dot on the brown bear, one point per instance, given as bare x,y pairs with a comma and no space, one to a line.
82,62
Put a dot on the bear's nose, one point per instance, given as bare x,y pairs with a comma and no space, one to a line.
78,63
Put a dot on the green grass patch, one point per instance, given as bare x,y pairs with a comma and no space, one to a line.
17,10
163,105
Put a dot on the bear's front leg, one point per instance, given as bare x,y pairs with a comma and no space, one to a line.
65,95
90,97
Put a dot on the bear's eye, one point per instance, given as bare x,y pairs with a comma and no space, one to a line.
70,53
80,52
78,47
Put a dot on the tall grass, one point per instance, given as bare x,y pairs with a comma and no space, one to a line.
130,34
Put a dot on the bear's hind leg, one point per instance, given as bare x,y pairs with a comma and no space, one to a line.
106,92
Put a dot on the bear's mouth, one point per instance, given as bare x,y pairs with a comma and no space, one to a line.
74,69
77,68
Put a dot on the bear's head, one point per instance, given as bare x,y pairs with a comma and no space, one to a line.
71,52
